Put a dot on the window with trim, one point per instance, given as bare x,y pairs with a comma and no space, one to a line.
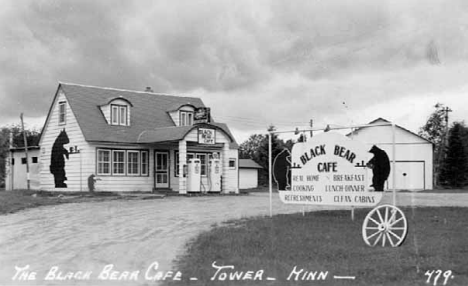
176,164
34,160
62,112
190,118
133,162
103,162
203,162
119,115
118,162
204,158
122,162
144,163
232,163
186,118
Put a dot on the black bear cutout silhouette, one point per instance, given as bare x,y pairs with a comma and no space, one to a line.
282,170
57,160
380,165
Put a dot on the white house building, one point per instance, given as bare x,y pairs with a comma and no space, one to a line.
413,154
134,141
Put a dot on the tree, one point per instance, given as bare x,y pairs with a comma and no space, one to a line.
435,130
248,148
256,148
455,166
464,139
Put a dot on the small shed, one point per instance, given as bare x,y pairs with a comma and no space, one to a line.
248,173
15,169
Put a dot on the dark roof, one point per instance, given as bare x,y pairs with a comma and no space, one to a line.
150,112
386,121
22,149
249,164
170,134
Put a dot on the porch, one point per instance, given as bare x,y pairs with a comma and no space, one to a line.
209,154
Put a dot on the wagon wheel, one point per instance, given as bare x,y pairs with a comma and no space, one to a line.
385,224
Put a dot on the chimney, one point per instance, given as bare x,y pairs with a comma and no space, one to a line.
148,89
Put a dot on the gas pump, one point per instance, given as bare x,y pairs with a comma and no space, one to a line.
215,175
194,175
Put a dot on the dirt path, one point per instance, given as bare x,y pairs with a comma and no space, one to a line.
132,235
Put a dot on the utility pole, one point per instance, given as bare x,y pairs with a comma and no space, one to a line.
443,144
446,110
311,126
25,150
12,167
445,141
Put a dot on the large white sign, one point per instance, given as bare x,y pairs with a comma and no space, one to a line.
330,169
206,136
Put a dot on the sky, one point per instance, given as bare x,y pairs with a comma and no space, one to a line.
255,63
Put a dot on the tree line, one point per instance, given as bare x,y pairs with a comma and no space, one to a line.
450,148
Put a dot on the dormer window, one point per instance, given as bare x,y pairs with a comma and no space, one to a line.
117,111
62,112
119,115
186,118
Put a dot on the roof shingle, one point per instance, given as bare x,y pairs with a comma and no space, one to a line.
249,164
149,113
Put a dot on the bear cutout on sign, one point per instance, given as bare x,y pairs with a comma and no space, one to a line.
281,170
380,165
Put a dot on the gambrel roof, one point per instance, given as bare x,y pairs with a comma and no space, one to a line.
381,120
248,164
149,112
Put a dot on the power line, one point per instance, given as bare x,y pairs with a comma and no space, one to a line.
254,120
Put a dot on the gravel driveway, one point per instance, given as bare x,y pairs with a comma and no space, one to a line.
132,235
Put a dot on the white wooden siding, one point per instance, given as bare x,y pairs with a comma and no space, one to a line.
106,111
231,175
74,170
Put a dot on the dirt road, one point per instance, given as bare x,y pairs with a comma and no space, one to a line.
132,235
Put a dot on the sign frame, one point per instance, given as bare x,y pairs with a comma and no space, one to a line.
327,128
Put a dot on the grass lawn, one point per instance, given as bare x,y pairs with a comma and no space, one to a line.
330,241
13,201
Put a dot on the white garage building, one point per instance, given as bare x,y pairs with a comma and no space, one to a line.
413,154
248,174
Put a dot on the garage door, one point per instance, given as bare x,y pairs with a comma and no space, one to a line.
409,175
248,178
